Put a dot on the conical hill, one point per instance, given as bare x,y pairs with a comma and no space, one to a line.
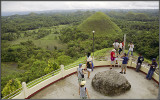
100,23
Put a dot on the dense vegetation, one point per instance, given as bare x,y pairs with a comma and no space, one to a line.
40,43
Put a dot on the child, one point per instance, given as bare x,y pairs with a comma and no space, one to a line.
83,91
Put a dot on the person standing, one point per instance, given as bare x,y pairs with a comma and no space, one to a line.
152,69
112,58
80,74
83,91
120,47
89,58
139,62
89,68
116,46
124,63
131,46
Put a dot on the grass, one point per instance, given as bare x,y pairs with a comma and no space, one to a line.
48,42
9,68
100,23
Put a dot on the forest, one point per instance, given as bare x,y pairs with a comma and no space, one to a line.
47,40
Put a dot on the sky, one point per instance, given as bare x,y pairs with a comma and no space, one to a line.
18,6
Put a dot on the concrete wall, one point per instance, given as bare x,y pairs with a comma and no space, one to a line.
28,92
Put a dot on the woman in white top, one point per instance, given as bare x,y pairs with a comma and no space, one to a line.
131,48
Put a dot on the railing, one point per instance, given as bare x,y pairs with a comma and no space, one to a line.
13,94
33,83
41,79
36,85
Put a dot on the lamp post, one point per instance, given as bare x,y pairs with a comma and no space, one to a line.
124,43
93,43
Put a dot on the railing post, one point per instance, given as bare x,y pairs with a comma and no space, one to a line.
24,90
62,70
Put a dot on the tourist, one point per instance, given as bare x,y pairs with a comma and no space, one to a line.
122,44
124,63
112,58
120,47
131,46
116,46
89,68
80,74
83,91
89,58
152,69
139,62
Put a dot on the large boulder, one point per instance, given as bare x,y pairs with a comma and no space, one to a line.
110,83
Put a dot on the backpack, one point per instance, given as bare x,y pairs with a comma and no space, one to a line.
81,74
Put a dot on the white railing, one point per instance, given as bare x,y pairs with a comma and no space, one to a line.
14,93
31,84
36,85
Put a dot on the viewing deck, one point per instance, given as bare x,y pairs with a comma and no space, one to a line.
67,88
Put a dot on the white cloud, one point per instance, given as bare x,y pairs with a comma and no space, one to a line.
13,6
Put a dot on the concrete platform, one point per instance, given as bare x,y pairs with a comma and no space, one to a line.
68,87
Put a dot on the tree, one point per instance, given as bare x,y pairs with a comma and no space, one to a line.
52,65
11,86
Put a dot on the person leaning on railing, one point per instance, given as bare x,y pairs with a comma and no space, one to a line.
152,69
139,62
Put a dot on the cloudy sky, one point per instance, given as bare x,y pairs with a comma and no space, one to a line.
15,6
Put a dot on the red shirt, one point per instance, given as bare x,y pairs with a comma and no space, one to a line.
112,58
122,44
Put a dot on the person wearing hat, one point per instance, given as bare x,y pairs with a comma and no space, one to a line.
152,69
80,74
83,91
112,57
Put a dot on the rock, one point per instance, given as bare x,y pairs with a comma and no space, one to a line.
110,83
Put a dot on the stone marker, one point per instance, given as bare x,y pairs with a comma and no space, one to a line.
110,83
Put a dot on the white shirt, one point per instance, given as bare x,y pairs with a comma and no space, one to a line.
115,44
131,47
89,58
120,45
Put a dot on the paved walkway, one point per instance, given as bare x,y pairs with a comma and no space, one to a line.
68,87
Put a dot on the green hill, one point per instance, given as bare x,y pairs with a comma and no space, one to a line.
100,23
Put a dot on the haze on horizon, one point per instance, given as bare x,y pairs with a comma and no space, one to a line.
20,6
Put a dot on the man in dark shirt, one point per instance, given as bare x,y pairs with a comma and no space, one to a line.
139,62
152,69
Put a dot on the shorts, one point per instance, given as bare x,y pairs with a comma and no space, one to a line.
88,69
123,65
113,62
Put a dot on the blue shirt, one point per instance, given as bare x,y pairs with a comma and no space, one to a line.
140,59
155,65
125,59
